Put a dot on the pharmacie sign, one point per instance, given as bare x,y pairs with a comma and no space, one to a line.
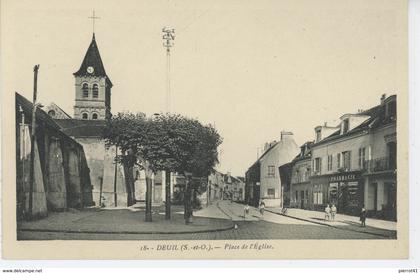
344,177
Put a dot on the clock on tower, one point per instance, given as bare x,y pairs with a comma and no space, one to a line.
93,87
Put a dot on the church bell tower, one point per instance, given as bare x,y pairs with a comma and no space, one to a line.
93,87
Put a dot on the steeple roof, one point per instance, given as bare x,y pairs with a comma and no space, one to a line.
93,59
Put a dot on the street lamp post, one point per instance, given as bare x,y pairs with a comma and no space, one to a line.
168,42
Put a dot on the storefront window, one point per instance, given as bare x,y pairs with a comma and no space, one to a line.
333,193
318,196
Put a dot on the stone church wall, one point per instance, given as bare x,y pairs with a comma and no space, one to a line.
61,179
102,172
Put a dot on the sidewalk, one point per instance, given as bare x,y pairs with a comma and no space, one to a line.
126,221
342,221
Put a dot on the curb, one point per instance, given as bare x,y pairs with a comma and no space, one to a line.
128,232
328,225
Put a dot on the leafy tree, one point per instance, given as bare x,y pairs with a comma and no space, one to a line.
172,143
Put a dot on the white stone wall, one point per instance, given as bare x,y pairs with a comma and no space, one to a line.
282,153
352,143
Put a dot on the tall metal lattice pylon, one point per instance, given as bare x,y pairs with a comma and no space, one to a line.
168,42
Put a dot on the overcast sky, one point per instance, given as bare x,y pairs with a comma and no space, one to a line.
252,68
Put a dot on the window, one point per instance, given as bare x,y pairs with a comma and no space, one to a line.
271,171
95,116
84,116
362,158
95,91
51,113
317,165
271,193
347,160
318,136
391,109
392,155
85,90
330,162
345,126
318,198
338,161
318,195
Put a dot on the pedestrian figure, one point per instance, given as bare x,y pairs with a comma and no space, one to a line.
246,210
327,212
262,207
363,214
333,212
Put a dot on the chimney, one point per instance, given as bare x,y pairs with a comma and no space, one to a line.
286,135
383,97
266,146
325,124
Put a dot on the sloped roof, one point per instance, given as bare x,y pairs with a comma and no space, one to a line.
41,117
374,121
93,59
40,114
53,105
307,153
82,128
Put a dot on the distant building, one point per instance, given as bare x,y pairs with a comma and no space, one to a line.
252,184
239,189
216,186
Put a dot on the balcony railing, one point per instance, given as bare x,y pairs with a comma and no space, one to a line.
381,164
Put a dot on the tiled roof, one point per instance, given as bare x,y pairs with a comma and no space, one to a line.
93,59
375,120
82,128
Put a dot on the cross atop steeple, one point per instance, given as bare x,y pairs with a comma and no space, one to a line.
93,17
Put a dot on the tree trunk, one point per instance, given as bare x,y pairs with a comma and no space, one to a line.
187,202
129,182
167,195
148,173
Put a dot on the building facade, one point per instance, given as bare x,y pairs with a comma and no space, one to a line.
356,165
265,185
300,186
252,184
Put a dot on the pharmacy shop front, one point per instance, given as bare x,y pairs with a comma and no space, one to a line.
344,190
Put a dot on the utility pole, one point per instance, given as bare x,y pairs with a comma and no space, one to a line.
22,158
115,176
33,139
168,38
168,42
